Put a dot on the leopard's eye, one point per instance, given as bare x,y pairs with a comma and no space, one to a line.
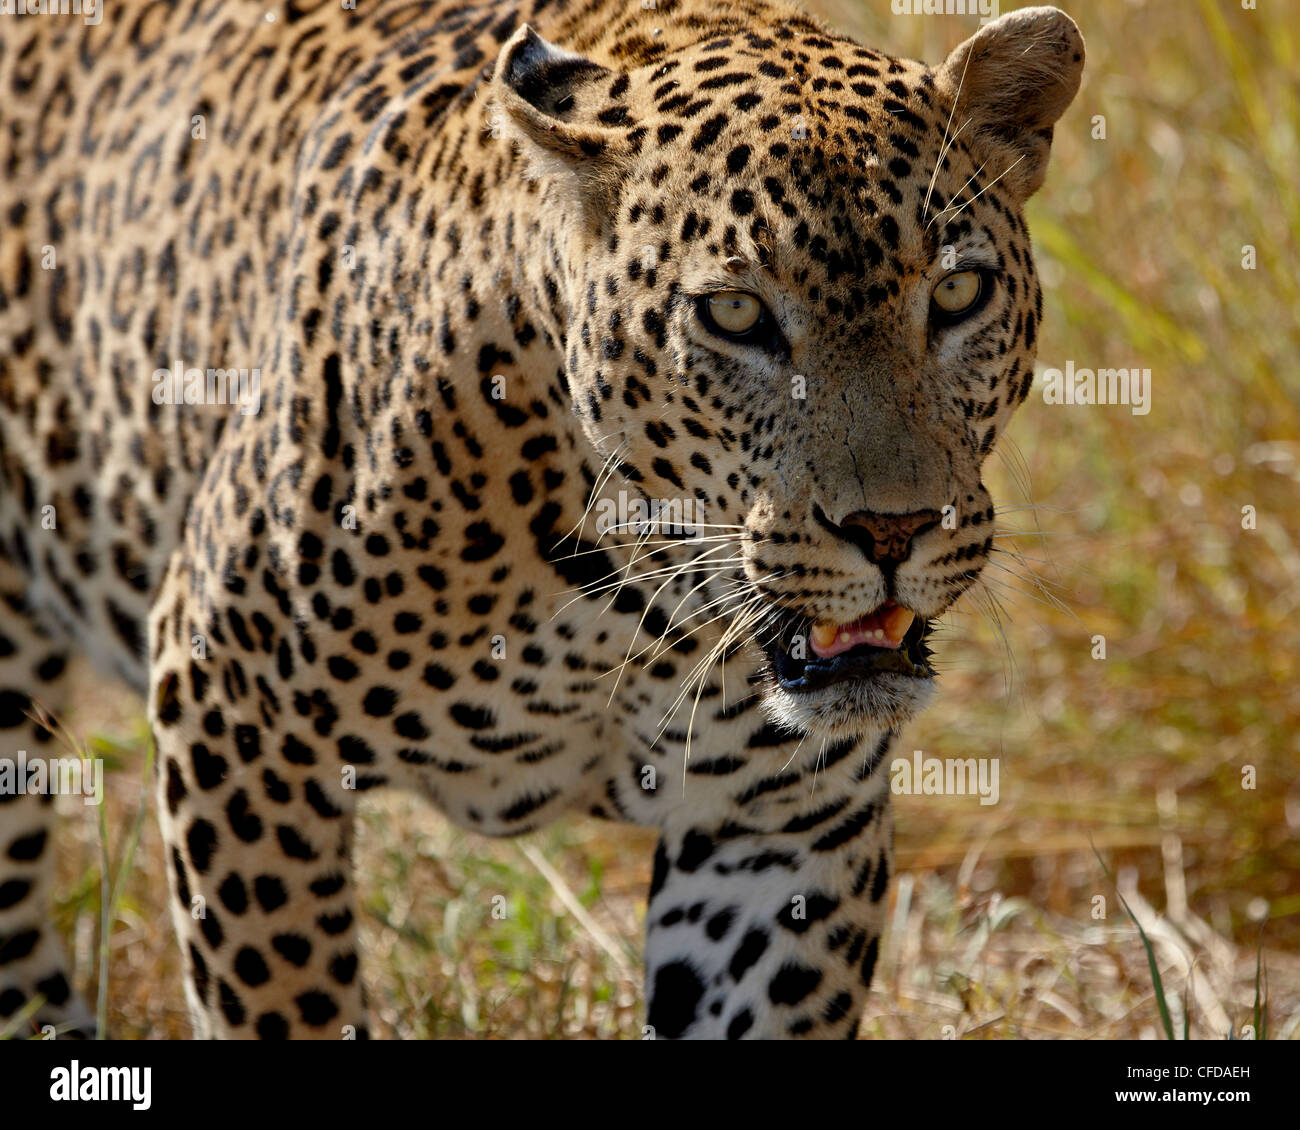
733,311
741,317
959,292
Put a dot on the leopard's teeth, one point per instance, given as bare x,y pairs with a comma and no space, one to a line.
897,621
823,634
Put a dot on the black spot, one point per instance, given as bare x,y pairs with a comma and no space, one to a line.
27,848
741,1023
18,945
244,822
768,735
182,881
696,848
169,703
473,717
750,950
880,884
341,668
792,983
296,752
292,844
269,892
251,967
248,743
337,151
355,750
410,726
438,677
209,768
328,885
334,924
674,999
272,1026
199,971
869,960
294,948
201,839
837,1008
849,829
333,398
276,789
13,709
176,790
707,134
55,989
344,968
719,924
661,868
233,894
210,928
316,1008
379,701
815,907
213,724
12,892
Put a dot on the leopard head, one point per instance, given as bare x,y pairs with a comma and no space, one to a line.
793,285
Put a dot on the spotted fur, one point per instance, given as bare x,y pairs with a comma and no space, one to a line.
465,245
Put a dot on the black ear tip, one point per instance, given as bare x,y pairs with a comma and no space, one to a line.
541,73
514,59
538,86
524,54
531,49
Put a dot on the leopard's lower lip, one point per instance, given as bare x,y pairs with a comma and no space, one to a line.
862,663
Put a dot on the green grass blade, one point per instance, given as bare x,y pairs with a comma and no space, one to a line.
105,925
112,886
1165,1019
1261,997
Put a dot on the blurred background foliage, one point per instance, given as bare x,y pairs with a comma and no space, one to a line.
1130,527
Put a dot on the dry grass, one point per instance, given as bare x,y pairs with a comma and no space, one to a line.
1137,536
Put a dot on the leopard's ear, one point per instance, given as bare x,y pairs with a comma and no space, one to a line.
1012,80
550,99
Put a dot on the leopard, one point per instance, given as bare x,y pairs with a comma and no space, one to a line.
541,406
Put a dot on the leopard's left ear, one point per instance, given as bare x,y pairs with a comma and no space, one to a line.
1012,80
550,99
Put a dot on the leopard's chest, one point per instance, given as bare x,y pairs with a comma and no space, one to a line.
509,700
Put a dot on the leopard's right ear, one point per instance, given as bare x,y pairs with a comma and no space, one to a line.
1011,81
550,99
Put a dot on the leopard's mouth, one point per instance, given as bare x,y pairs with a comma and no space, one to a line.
808,655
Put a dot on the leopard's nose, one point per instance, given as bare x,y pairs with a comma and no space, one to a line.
886,539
